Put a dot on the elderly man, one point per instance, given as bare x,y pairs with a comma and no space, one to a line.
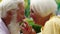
41,10
12,12
3,28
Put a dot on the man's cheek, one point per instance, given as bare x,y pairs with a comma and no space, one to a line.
7,19
18,17
21,12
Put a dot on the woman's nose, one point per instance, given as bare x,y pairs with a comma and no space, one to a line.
32,15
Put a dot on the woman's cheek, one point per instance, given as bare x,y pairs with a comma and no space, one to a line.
33,15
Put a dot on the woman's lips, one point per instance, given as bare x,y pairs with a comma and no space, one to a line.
33,15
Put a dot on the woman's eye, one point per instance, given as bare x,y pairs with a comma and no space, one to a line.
32,11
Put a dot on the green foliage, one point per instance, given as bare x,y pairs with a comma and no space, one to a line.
27,8
58,3
36,27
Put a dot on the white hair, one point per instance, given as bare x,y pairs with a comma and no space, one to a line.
43,7
6,5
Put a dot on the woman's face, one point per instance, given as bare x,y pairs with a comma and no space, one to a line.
38,19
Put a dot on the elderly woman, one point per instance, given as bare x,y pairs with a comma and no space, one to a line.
12,12
52,26
42,10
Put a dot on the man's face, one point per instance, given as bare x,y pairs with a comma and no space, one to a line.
20,14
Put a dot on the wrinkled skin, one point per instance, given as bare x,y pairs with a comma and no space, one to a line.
38,19
19,12
26,29
8,17
20,17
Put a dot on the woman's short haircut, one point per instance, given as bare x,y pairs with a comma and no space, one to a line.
43,7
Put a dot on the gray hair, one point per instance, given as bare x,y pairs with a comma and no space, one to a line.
6,5
43,7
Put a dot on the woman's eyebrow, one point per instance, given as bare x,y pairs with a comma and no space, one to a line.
32,11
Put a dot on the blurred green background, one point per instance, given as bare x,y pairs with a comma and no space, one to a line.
27,8
58,9
58,3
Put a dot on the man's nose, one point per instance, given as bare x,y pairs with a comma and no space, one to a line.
24,17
